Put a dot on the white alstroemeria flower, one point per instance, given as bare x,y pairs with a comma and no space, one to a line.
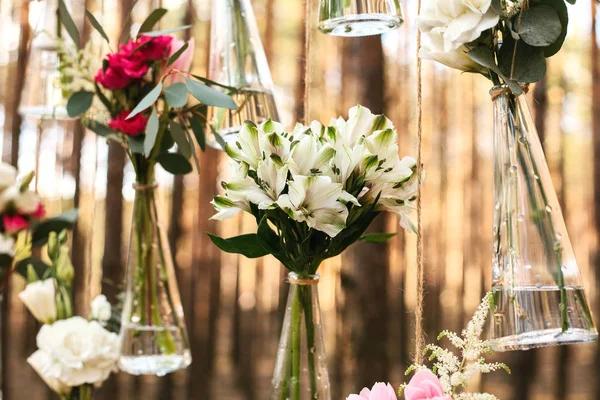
433,49
344,161
316,201
76,351
310,157
8,175
381,154
44,365
400,174
40,299
227,208
247,146
101,309
459,21
7,245
274,143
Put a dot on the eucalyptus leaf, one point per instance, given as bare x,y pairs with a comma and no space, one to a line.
177,54
79,103
136,144
540,26
103,98
98,128
147,101
96,25
563,14
68,23
529,62
210,96
377,237
152,20
176,95
167,31
180,138
151,132
174,163
40,267
197,126
56,224
246,245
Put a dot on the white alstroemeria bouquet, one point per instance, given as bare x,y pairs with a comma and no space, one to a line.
315,191
507,41
74,354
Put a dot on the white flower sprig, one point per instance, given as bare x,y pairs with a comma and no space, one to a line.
76,67
454,372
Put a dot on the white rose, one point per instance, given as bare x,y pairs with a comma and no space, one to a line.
101,309
8,175
27,202
40,298
7,245
433,49
8,196
459,21
43,364
78,351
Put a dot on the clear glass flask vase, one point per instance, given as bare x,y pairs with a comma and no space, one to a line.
238,60
539,299
353,18
301,365
153,333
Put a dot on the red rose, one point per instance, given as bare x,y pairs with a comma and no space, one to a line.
40,212
112,78
132,66
132,126
155,48
14,224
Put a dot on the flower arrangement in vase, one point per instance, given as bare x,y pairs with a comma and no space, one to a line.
144,88
508,41
313,192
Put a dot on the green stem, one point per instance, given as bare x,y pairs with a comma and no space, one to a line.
310,338
296,342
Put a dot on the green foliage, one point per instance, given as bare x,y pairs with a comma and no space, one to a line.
246,245
147,101
180,137
540,26
79,103
152,20
151,132
42,230
177,54
377,237
97,26
174,163
177,95
209,96
67,21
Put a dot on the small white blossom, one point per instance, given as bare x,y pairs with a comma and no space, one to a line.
7,245
101,309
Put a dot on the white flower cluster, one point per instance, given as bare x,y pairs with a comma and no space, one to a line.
315,173
455,372
76,67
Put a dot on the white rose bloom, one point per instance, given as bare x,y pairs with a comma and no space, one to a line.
43,364
433,49
77,351
40,298
27,202
8,175
7,245
101,309
459,21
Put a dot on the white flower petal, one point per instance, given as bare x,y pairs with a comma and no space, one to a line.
40,299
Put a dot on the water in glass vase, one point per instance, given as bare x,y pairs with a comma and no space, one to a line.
148,355
255,105
520,329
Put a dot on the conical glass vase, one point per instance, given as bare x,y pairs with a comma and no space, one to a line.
237,59
153,333
539,299
352,18
42,96
301,365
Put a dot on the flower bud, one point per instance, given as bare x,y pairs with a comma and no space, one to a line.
53,247
64,268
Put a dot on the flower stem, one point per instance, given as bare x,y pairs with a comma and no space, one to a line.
310,338
296,342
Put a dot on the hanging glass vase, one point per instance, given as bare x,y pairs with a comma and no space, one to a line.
353,18
42,96
539,299
237,59
301,365
153,333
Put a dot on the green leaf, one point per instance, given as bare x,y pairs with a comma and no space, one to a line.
103,98
377,237
210,96
530,63
167,31
147,101
198,129
207,81
151,132
98,128
177,54
96,25
178,134
56,224
540,26
563,14
136,144
79,103
246,245
40,267
269,240
174,163
176,95
68,23
152,20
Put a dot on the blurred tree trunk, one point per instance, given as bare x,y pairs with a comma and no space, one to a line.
367,265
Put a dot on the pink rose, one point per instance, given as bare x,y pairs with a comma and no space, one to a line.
154,48
112,79
14,224
380,391
132,127
133,65
425,386
183,63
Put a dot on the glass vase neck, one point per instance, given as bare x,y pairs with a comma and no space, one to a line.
302,279
145,187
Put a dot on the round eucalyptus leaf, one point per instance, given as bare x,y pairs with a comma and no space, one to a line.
540,26
563,14
529,61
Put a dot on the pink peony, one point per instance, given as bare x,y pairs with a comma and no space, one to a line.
14,224
183,63
425,386
132,127
380,391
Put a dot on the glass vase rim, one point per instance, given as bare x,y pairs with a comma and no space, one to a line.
295,278
143,187
506,90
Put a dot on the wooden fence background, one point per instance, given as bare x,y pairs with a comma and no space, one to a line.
234,305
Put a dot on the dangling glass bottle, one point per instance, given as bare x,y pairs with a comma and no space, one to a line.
42,96
153,333
352,18
237,59
539,298
301,365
